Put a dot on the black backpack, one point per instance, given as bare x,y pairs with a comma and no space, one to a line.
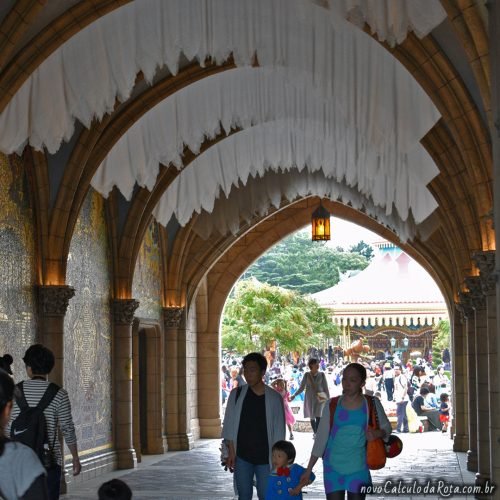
30,426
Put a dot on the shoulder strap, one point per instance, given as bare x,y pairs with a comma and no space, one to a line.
372,412
49,395
21,398
333,407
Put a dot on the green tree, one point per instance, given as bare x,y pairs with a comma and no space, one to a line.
440,342
299,264
256,314
363,249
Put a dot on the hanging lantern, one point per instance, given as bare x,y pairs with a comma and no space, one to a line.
320,224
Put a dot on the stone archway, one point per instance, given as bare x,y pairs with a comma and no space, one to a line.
223,273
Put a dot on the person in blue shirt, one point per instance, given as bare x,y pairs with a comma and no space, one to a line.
285,475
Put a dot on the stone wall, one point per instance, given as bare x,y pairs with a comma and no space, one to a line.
87,330
192,373
17,264
146,287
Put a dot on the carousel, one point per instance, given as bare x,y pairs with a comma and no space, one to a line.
390,308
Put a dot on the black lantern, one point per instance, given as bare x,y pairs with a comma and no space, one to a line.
320,224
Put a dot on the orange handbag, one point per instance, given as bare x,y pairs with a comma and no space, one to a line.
375,450
375,454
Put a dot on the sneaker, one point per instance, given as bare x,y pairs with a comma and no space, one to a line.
291,437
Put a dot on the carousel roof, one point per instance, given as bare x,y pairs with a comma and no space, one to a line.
392,280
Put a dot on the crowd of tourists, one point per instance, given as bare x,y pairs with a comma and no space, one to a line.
257,417
400,386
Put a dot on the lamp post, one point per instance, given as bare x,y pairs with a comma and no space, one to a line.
405,343
393,342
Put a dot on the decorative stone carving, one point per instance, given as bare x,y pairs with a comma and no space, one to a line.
477,297
172,316
123,310
54,299
464,307
485,261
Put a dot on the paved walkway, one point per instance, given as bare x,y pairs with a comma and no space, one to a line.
197,475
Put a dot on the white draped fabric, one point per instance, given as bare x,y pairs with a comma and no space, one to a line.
261,194
363,119
274,146
365,154
391,20
82,79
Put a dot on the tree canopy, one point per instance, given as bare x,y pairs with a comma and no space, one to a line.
440,342
256,314
305,266
363,249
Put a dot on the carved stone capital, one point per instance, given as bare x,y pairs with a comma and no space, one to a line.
485,262
477,297
464,307
54,299
123,310
172,316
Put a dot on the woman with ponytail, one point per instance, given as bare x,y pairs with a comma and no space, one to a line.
22,476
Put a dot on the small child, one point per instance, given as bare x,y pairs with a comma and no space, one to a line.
279,385
444,411
285,475
116,489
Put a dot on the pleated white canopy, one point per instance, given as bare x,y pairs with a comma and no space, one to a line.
363,114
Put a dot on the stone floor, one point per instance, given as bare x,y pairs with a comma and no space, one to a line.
196,474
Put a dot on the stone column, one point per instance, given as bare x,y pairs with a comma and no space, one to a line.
178,435
486,263
123,316
53,303
482,404
494,54
468,312
460,429
209,373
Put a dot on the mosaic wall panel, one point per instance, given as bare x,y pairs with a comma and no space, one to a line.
87,327
17,264
146,287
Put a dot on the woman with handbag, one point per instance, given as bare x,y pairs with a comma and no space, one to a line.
342,438
316,393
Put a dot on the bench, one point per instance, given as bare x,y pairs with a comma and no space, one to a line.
423,420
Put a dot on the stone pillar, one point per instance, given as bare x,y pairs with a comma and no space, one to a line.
179,436
482,404
209,373
53,303
123,316
460,429
468,312
486,263
494,54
